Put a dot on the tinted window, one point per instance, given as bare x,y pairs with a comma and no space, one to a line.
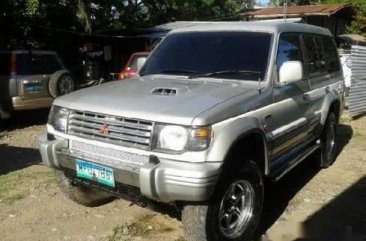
29,64
289,48
330,54
4,64
208,52
314,52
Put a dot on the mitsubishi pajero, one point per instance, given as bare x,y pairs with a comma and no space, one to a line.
214,111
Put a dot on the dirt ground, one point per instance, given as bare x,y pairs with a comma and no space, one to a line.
307,204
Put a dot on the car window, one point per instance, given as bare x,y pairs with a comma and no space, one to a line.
330,54
315,60
209,52
289,49
30,64
4,64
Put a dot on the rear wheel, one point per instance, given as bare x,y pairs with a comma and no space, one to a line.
233,215
326,155
80,194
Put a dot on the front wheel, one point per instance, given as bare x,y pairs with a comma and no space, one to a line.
233,215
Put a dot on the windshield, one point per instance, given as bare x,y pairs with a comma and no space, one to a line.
233,55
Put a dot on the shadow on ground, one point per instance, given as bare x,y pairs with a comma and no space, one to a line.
278,195
343,219
16,158
24,119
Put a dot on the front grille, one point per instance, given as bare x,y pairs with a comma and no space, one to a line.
110,156
111,129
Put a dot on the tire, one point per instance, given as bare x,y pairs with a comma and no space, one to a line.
326,155
61,83
80,194
242,193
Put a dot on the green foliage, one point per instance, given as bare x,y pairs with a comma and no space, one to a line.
98,15
289,2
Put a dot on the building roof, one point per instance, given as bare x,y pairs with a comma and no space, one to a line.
296,11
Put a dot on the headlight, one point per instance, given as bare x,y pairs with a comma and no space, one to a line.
178,138
172,138
58,118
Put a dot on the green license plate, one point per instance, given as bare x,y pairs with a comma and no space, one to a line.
33,87
94,172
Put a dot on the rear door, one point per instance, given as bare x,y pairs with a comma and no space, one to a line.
324,72
33,73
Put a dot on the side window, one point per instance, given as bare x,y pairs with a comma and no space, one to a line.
331,55
315,60
289,48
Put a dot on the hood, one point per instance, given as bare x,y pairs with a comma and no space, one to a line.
163,99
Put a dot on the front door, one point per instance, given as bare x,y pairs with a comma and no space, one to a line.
288,119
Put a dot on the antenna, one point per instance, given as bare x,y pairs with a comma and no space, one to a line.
284,10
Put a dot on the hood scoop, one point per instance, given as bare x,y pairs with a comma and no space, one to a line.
164,91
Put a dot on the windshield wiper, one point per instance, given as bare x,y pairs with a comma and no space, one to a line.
225,72
177,71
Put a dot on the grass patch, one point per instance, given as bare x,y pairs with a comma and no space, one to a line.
345,119
145,226
3,133
180,239
11,184
127,232
12,198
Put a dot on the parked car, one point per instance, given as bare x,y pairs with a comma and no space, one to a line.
30,79
130,69
215,111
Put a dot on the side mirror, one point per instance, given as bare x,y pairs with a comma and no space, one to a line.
290,71
140,62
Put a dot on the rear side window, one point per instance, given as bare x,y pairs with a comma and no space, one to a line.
32,64
331,55
4,64
315,60
289,49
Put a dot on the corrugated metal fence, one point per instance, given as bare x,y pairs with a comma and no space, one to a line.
357,94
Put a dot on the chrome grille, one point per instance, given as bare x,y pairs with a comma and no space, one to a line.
111,129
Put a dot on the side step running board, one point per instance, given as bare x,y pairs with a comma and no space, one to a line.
296,162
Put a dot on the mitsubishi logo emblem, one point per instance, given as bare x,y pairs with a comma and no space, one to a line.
104,129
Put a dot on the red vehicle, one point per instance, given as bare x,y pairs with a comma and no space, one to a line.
130,69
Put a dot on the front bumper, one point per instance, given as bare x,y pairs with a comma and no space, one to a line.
159,179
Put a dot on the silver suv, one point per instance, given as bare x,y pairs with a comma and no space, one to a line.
30,79
215,110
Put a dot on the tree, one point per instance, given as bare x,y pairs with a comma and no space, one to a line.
29,19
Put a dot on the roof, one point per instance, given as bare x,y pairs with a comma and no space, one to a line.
259,26
295,11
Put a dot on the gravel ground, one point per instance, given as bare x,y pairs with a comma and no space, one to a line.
307,204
